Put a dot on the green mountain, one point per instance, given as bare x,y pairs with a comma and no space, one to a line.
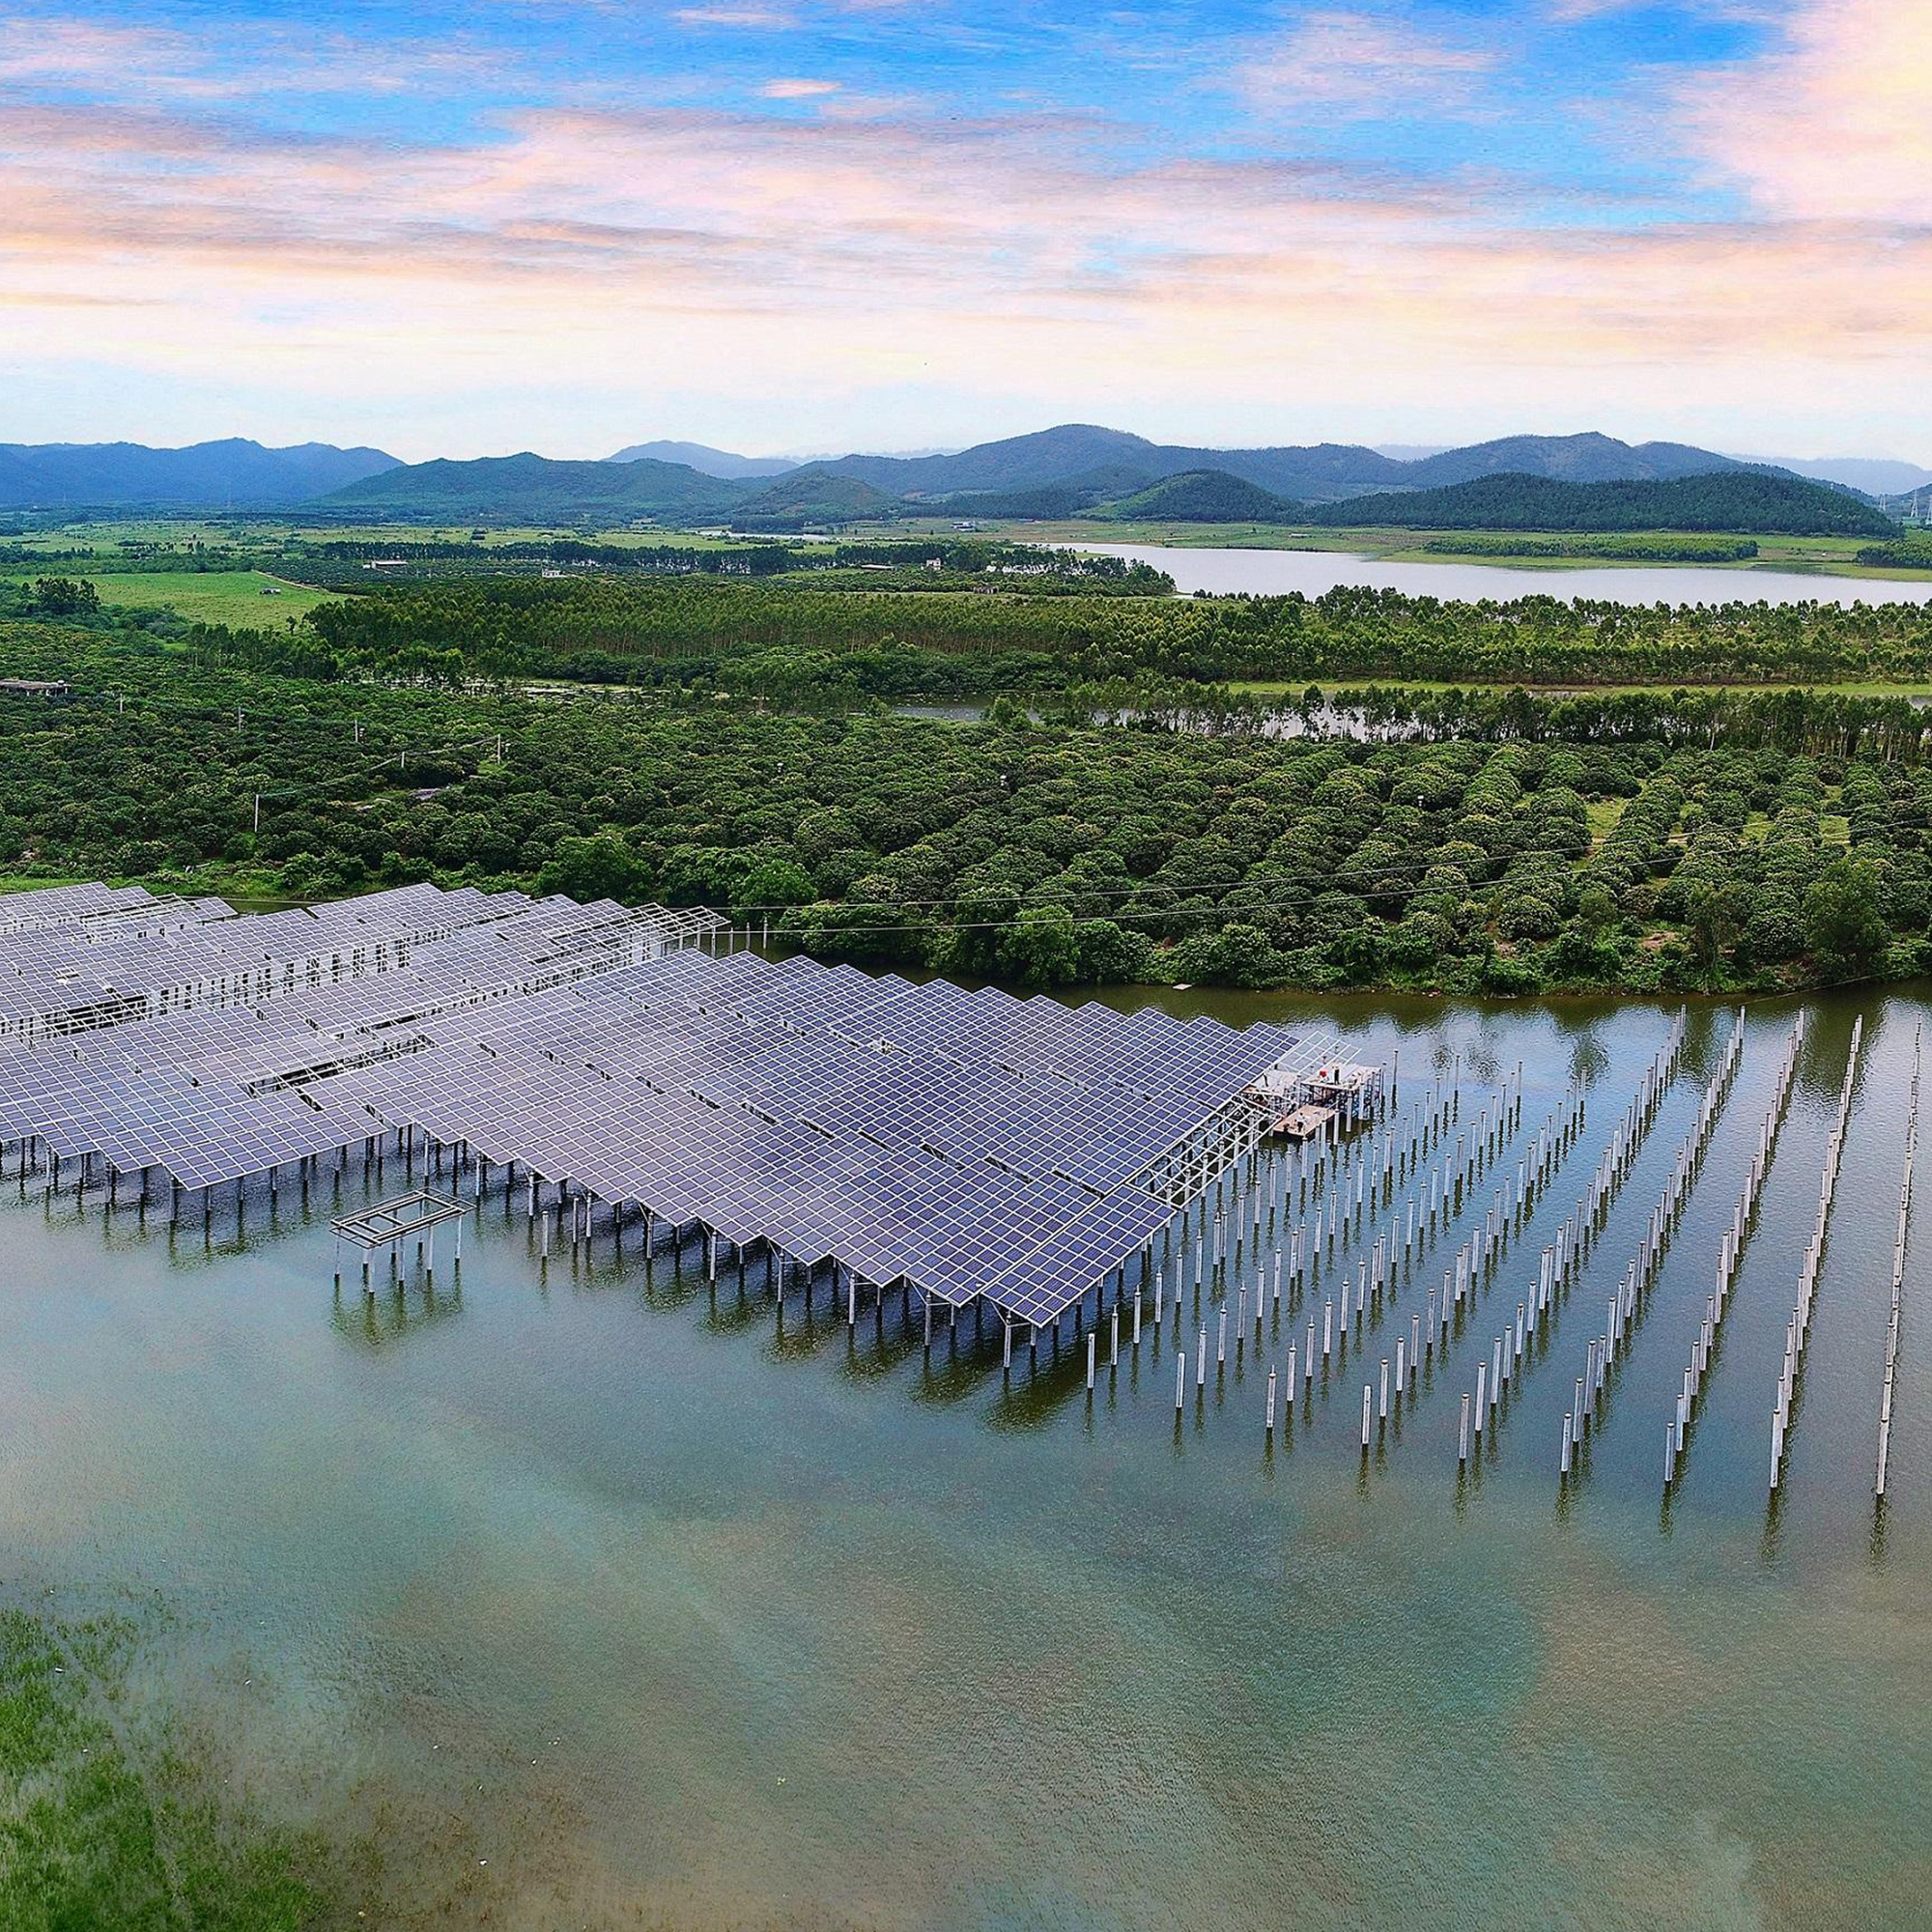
1052,501
1746,500
809,495
1590,458
1316,472
537,490
233,473
1203,497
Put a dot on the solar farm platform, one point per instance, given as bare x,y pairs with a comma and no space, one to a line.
967,1145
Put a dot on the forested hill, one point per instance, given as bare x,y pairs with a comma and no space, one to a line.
536,489
1745,501
809,495
1203,497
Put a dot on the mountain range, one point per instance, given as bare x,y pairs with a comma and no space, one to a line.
1875,475
1072,468
1056,456
1314,473
234,473
706,461
537,488
1080,469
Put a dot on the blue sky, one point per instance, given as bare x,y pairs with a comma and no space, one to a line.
810,224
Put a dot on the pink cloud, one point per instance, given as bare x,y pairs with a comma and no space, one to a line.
148,65
1834,124
1031,253
769,19
1363,63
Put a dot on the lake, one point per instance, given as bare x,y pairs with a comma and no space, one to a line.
587,1598
1276,572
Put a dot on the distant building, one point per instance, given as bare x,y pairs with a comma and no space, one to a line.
34,687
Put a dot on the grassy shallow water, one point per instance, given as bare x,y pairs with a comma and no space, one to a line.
572,1597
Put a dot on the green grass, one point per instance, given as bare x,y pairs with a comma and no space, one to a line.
103,1825
109,540
241,598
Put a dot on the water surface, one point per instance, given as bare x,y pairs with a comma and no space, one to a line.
1276,572
597,1601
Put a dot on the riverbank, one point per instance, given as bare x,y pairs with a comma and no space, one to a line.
1826,556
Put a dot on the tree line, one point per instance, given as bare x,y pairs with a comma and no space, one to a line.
700,631
1039,851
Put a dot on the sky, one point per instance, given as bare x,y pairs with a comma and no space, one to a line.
816,225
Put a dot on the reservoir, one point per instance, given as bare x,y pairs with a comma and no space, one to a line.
577,1593
1274,573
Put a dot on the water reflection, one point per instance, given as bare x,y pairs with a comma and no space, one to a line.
625,1548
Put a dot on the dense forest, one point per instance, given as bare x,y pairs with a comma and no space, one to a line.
1203,497
790,642
1036,850
1656,547
529,489
1750,502
1910,551
952,564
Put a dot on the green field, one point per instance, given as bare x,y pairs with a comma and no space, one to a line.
244,599
113,1817
150,544
132,537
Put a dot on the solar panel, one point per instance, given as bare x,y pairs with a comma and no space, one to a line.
971,1143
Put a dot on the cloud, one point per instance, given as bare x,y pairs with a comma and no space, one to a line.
605,218
1833,123
770,19
1054,255
1362,63
40,57
797,89
1750,13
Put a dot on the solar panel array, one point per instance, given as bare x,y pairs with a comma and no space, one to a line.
970,1143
